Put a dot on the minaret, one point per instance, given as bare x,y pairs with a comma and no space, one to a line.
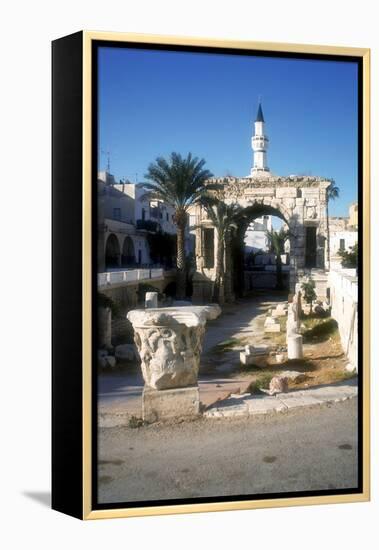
259,143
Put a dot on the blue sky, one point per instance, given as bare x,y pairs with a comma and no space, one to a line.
154,102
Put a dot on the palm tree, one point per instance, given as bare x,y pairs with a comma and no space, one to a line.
223,217
180,182
276,241
332,193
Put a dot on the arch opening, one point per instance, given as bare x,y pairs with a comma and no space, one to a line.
128,257
112,252
261,250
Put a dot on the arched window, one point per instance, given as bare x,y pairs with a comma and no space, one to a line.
112,252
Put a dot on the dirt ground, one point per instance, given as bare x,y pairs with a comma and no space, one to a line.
324,361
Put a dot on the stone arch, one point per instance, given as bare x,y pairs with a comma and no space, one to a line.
251,211
128,257
261,208
112,252
300,201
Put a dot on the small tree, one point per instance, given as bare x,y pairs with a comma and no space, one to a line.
308,288
224,218
349,257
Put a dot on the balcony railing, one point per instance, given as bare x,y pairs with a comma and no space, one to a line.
118,277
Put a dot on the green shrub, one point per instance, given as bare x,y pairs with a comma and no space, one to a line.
349,257
309,293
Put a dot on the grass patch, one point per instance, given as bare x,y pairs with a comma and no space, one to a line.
135,422
320,330
278,338
342,375
261,382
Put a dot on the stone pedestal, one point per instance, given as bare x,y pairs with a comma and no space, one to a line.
169,342
295,346
172,403
271,325
255,355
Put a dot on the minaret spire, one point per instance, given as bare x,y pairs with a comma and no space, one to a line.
259,143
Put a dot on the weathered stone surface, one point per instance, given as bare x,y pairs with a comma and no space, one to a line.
255,355
170,403
278,384
270,321
295,346
169,342
295,198
279,312
264,405
295,401
286,192
272,327
258,404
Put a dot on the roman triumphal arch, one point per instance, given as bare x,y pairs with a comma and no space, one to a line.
300,201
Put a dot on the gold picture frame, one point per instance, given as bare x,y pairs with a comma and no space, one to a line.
84,509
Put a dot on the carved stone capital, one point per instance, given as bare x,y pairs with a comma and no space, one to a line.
169,342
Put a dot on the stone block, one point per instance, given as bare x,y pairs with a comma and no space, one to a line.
168,404
264,405
273,328
295,346
286,192
279,313
260,191
259,360
290,203
151,300
296,401
270,321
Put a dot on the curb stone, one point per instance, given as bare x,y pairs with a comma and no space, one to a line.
263,404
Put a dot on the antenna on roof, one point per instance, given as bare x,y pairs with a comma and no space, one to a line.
108,167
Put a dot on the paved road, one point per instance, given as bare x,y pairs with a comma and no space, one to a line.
300,450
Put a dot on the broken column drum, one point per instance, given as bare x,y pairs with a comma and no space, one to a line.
151,299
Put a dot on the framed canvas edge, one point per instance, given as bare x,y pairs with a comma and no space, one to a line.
88,512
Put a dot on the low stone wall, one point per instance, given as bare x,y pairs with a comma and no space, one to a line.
344,301
125,295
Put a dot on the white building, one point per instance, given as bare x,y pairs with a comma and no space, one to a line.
160,214
256,237
120,244
342,236
126,220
